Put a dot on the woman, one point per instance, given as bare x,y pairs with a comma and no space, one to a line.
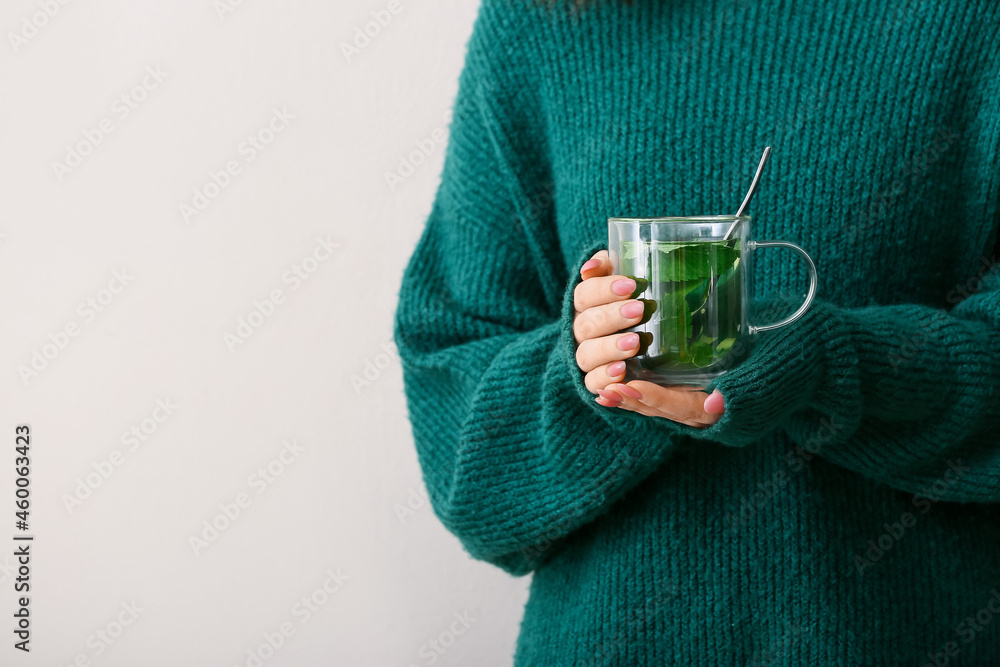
834,499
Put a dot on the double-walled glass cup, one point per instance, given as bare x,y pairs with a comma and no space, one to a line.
698,283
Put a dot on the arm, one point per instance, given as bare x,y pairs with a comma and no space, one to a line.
515,452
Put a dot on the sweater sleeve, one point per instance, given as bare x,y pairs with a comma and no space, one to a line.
906,395
514,451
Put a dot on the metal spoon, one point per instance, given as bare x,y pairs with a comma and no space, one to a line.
750,193
743,207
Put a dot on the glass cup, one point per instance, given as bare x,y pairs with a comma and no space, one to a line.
697,285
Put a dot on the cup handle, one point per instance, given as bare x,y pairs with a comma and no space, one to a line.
810,265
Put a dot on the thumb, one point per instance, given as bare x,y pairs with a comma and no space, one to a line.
715,404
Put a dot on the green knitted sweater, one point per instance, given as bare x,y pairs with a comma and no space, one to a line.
846,508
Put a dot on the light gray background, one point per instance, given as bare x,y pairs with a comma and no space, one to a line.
320,371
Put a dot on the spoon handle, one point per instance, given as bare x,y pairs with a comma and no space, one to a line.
751,192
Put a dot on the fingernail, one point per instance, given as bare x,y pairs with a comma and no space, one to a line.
628,341
633,309
590,264
616,369
609,396
631,392
623,286
715,404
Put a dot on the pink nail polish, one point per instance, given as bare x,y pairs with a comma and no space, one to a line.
628,341
715,404
590,264
631,392
609,396
623,286
616,369
633,309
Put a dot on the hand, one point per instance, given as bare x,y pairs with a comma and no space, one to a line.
604,305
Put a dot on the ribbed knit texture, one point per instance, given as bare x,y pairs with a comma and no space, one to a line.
844,511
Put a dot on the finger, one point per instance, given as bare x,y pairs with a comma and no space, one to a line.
598,265
682,404
608,399
602,376
685,405
633,405
640,408
596,352
628,398
610,318
600,290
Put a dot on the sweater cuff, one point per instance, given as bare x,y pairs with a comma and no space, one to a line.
806,369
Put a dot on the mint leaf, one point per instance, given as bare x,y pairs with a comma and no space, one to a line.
635,249
676,262
702,354
724,345
633,260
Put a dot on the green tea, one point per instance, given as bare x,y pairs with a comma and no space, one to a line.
698,294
